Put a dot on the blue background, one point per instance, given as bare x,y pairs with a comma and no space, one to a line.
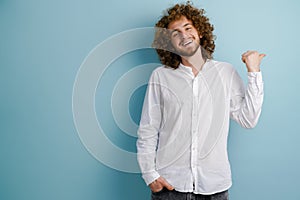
42,46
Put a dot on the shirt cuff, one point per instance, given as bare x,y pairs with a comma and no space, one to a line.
255,77
150,177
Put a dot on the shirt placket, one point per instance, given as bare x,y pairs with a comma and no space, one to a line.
194,129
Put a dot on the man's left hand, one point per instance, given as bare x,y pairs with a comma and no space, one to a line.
252,59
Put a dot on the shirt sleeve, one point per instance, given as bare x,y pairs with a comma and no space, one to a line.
245,105
148,131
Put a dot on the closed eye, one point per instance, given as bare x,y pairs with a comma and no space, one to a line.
175,34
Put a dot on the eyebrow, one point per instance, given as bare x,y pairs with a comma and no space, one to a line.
187,24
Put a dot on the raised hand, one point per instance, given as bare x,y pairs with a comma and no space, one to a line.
252,59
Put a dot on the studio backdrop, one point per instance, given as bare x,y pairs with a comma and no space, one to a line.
73,76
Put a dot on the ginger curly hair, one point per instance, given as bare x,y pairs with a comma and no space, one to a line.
162,42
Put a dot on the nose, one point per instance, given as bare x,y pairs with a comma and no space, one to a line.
183,34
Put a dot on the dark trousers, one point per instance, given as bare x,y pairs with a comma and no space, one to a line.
174,195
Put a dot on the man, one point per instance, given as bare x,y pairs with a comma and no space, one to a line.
182,137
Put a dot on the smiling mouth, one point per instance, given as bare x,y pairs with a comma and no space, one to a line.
186,43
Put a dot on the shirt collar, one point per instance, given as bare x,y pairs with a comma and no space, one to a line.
189,70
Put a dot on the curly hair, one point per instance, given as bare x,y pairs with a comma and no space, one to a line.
162,42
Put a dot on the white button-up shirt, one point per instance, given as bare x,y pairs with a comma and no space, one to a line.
185,122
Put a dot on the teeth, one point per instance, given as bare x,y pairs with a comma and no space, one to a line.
188,42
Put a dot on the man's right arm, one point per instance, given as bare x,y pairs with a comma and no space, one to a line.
148,131
148,136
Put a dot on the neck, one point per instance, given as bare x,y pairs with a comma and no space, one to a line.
195,61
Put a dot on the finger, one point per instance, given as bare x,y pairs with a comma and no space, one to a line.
247,53
243,59
158,189
156,186
251,53
167,185
261,56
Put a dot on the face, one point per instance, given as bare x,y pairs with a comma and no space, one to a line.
184,37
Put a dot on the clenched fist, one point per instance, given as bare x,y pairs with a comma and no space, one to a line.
252,59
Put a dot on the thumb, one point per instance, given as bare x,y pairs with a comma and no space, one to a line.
261,56
167,185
